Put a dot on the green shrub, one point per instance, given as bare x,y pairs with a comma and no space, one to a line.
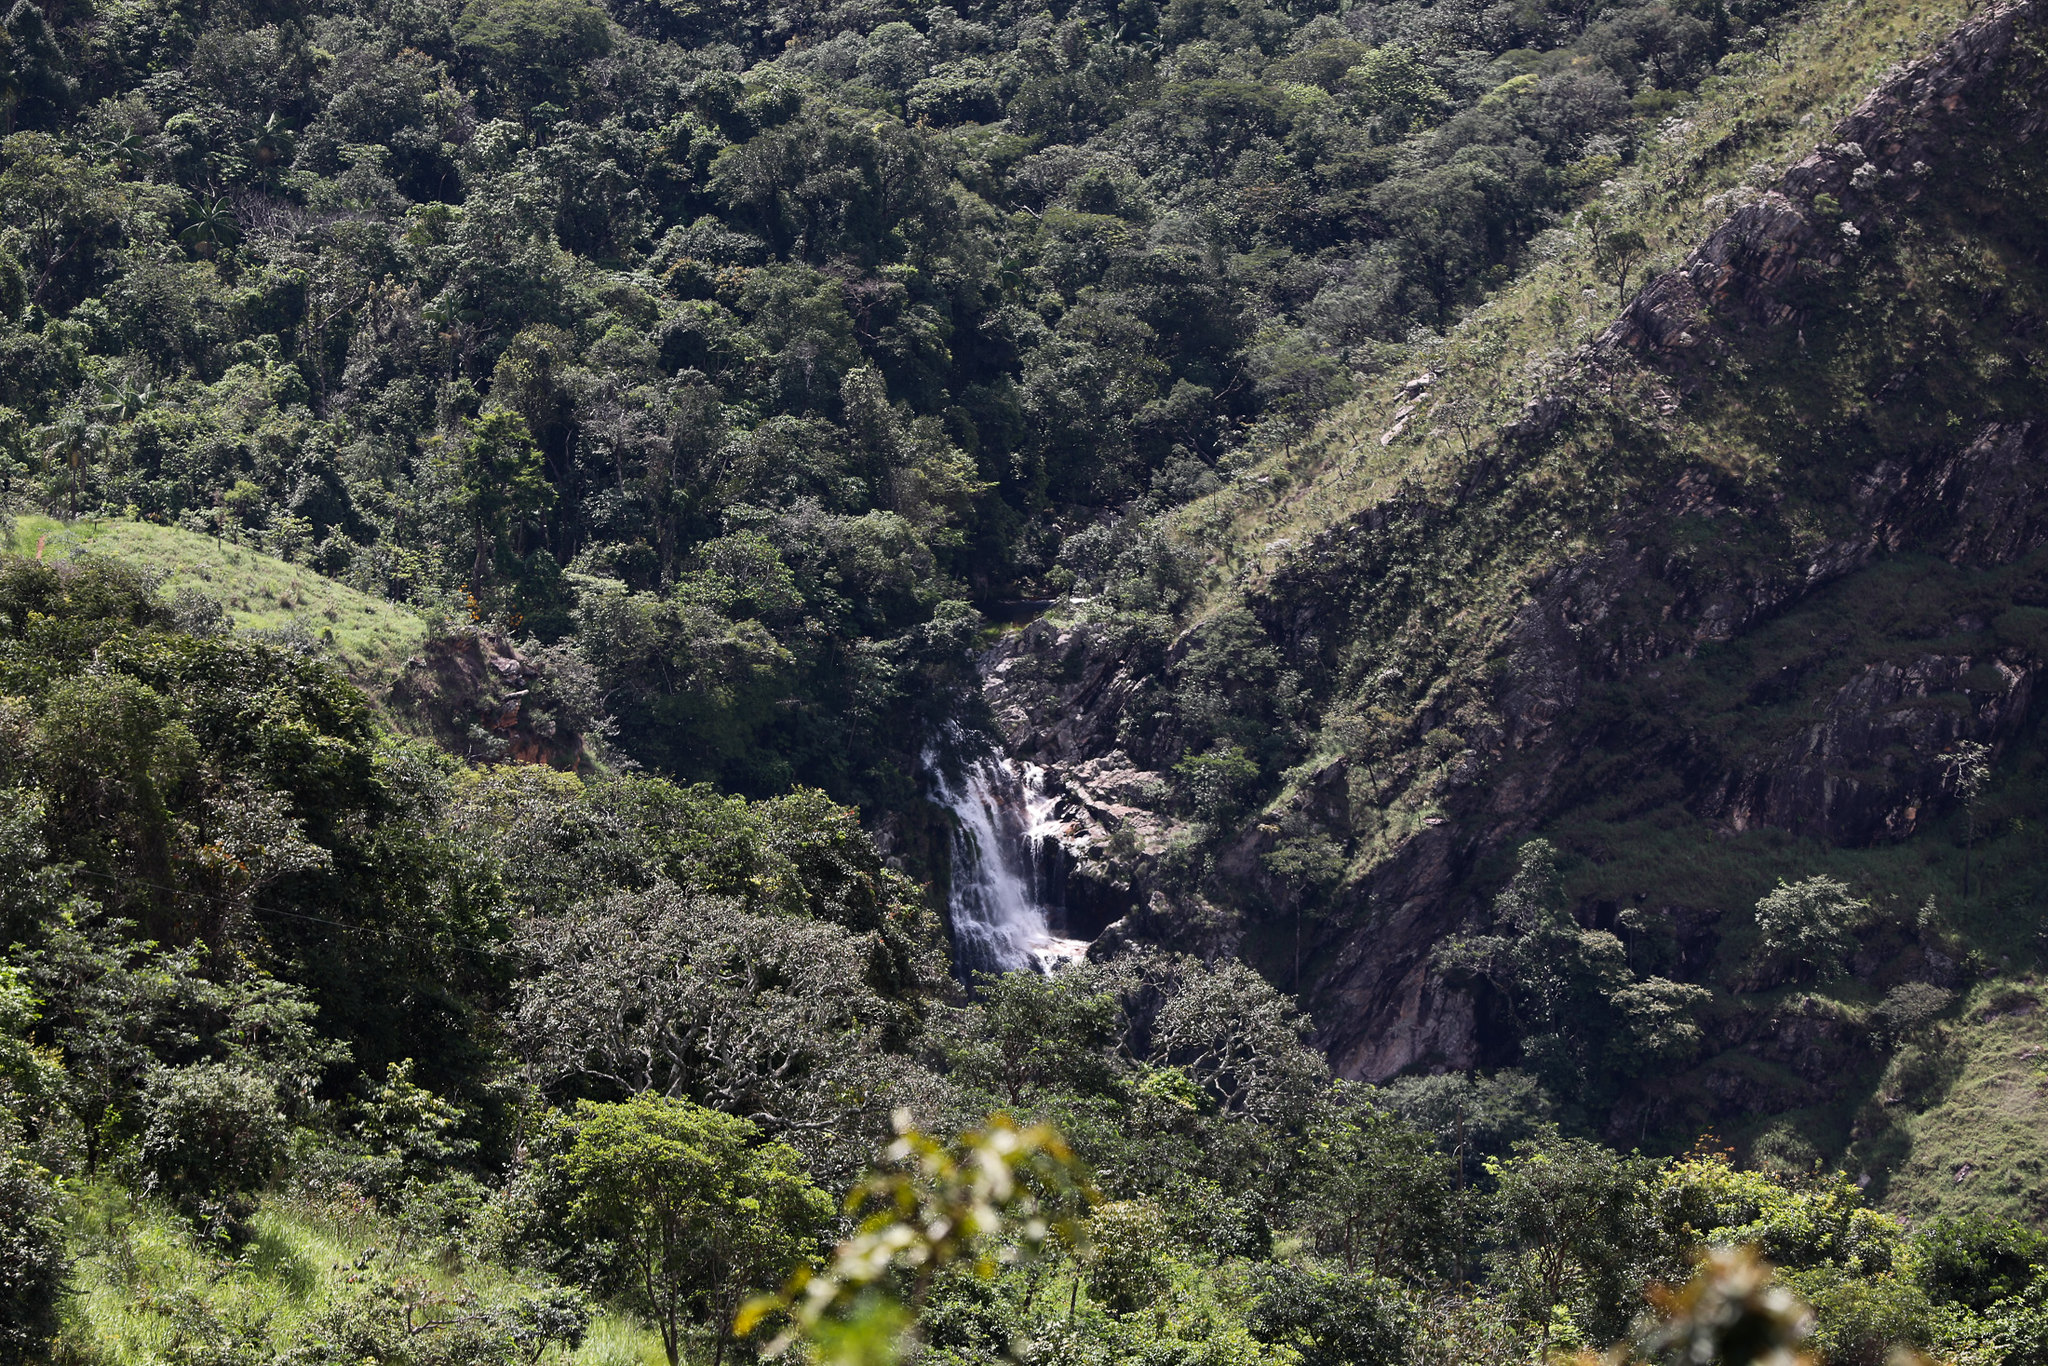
32,1263
1862,1321
1215,785
1127,1238
2019,1327
212,1134
1908,1008
1810,923
691,1210
395,1323
1331,1319
1977,1261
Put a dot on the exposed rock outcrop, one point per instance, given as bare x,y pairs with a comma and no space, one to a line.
1744,275
482,697
1056,692
1867,769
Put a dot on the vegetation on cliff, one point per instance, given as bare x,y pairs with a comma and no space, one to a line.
323,1046
745,349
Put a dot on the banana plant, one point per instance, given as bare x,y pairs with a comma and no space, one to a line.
125,151
123,402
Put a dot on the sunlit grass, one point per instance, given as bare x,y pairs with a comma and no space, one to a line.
617,1341
259,592
145,1288
1979,1149
143,1285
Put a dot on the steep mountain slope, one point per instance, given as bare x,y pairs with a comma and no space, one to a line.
1711,598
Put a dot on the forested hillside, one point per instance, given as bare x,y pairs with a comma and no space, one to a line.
1463,582
324,1046
747,349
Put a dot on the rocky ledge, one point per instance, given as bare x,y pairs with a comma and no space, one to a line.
485,698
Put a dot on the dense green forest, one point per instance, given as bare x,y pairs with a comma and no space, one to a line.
512,513
747,351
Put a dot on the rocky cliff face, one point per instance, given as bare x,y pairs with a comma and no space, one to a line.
1725,637
1895,148
481,696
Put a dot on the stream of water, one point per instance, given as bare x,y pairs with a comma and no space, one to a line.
1000,901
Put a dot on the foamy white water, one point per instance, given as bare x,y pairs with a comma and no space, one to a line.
1001,822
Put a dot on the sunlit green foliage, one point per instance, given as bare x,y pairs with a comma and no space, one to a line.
694,1213
736,353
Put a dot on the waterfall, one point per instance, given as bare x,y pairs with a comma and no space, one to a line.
1001,833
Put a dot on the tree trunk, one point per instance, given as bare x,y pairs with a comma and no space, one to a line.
1031,1286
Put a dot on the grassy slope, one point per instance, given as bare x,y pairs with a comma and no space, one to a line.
148,1292
259,592
1788,427
1966,1108
1758,115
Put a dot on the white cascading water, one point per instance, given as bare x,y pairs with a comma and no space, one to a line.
1001,825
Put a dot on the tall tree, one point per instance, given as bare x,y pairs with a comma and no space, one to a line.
496,489
1576,1227
695,1214
1379,1193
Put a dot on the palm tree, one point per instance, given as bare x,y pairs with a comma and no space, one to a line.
271,145
70,438
455,326
212,226
1146,45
